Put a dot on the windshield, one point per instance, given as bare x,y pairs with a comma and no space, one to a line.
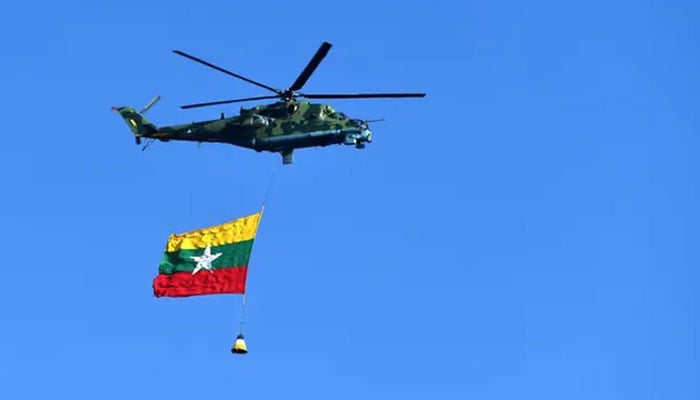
339,115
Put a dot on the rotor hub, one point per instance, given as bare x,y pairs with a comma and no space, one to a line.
288,95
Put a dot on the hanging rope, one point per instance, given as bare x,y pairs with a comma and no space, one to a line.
262,210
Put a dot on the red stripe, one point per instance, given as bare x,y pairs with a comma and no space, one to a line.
184,284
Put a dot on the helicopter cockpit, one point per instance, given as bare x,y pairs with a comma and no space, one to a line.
339,116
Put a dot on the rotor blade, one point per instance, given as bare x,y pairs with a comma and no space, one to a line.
360,95
208,64
311,66
150,104
213,103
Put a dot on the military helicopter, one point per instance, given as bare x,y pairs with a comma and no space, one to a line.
280,127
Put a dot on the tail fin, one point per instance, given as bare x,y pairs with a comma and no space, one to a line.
139,125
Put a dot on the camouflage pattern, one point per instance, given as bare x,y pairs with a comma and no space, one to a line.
279,127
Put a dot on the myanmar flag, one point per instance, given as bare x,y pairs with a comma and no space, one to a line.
210,260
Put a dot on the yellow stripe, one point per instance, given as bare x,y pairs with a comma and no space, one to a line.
234,231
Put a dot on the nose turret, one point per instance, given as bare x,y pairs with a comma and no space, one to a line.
366,135
358,135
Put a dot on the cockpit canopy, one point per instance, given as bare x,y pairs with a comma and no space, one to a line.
339,116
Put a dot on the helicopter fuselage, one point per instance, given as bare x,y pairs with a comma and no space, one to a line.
280,127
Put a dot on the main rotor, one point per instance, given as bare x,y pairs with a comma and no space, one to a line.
292,92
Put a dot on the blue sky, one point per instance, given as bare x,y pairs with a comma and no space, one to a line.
528,230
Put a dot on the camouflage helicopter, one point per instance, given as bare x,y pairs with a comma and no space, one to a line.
280,127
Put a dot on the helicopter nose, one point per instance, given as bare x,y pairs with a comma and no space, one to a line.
358,137
367,135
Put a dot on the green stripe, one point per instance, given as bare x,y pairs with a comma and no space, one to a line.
233,255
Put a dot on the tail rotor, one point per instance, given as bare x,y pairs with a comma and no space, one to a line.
138,124
144,110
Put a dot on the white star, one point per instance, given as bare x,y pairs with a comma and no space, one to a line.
204,261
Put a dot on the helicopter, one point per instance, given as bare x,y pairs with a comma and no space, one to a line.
279,127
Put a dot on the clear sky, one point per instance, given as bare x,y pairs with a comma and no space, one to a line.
529,230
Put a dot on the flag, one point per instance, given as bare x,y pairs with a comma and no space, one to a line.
210,260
